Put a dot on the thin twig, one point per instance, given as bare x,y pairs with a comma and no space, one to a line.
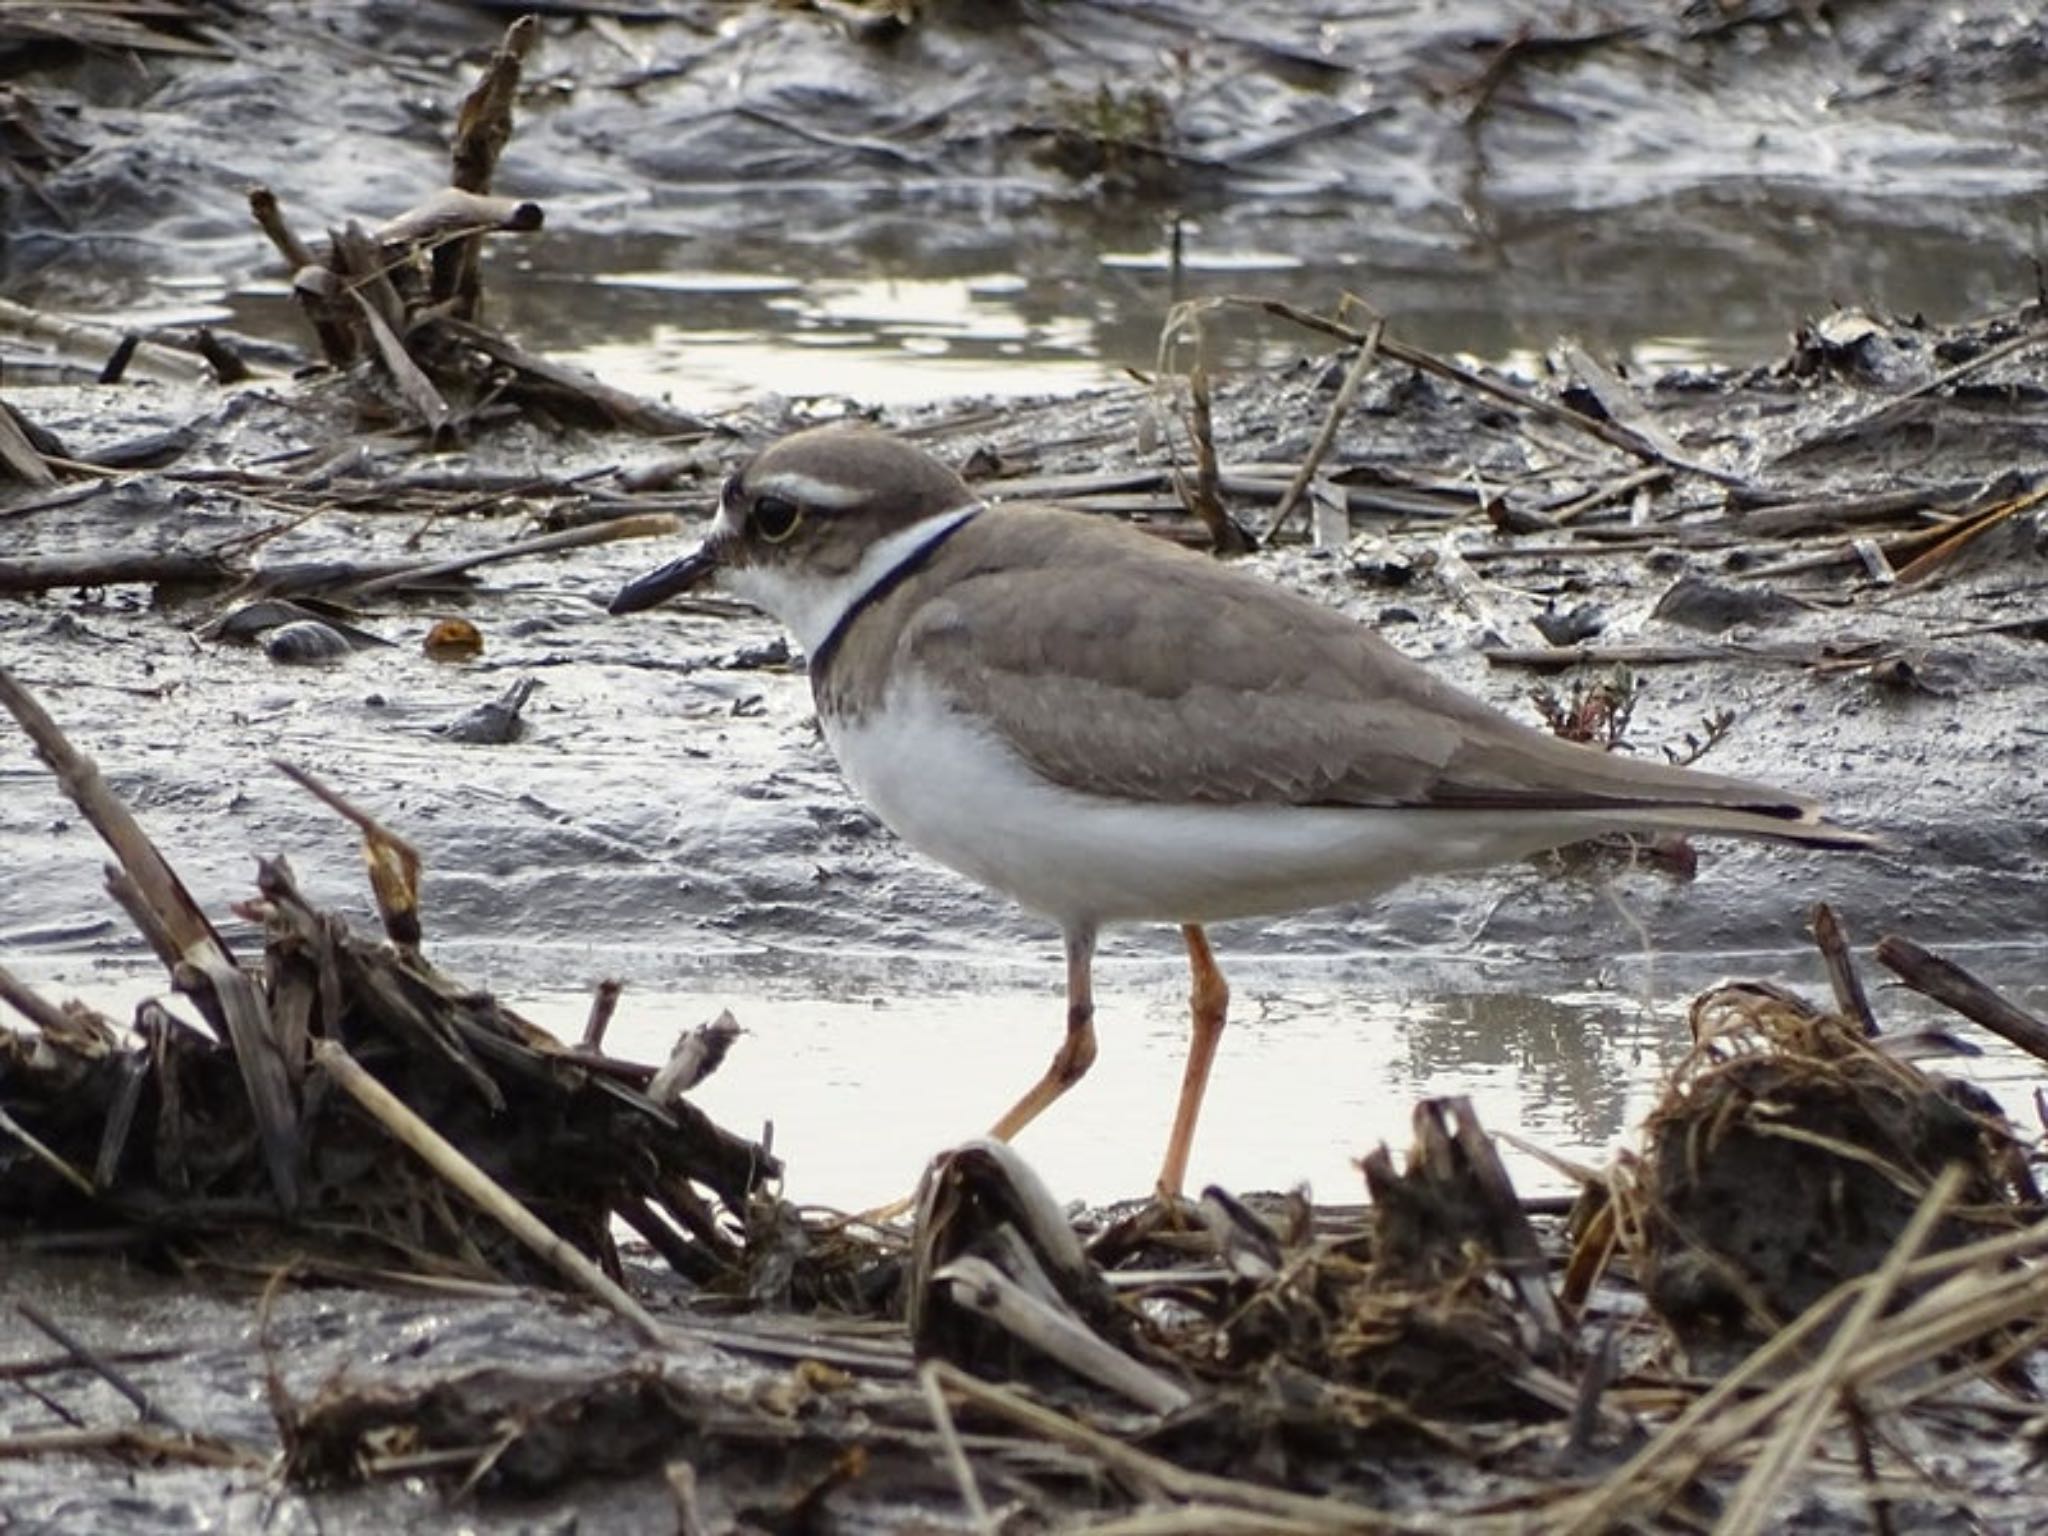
1361,365
1851,1001
99,1365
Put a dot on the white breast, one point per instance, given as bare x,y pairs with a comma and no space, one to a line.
953,790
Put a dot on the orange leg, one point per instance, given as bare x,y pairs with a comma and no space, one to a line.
1209,1003
1076,1053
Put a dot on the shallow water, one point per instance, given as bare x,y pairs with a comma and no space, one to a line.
1684,281
766,205
858,1083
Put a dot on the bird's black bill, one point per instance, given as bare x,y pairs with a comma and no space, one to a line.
659,586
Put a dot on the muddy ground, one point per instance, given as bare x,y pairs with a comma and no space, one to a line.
668,811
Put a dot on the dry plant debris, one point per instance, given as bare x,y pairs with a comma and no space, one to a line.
236,1143
1787,1153
1263,1367
397,307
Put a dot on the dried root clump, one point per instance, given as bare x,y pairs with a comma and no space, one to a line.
1788,1153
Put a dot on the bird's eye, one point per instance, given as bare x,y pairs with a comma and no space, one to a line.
775,518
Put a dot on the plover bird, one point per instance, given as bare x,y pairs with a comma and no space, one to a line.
1107,728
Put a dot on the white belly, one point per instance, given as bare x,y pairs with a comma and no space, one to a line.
958,794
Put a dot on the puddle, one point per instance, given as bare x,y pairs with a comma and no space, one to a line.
863,1086
1684,281
768,206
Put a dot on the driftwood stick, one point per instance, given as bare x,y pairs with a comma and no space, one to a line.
1949,984
1542,657
483,128
489,1196
413,384
269,216
117,568
1834,514
1618,400
1627,485
165,365
1202,497
452,212
604,1002
697,1054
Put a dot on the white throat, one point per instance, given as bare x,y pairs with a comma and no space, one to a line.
810,605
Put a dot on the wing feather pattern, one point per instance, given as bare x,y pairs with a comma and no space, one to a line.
1146,673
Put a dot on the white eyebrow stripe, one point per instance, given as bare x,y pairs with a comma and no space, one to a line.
809,490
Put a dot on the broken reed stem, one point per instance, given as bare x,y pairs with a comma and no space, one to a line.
30,1004
99,1365
644,525
1929,561
1851,1001
604,1002
480,1188
200,963
392,861
1333,419
78,776
12,1127
1615,490
955,1453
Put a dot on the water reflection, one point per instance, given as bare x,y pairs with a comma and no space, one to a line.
903,296
863,1083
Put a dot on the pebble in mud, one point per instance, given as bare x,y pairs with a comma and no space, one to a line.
305,641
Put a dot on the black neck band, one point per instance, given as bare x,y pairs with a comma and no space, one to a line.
888,582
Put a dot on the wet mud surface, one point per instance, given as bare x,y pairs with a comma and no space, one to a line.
667,812
668,805
761,197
